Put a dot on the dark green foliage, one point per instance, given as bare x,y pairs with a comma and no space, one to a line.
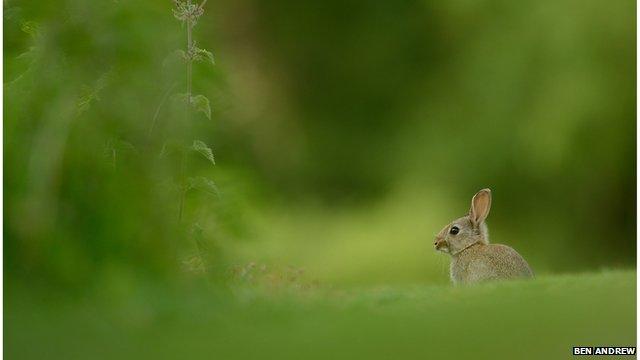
88,185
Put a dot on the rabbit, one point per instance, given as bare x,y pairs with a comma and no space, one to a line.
473,259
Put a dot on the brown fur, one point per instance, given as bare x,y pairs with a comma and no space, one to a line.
473,259
482,262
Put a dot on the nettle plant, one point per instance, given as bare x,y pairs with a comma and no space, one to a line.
180,147
189,13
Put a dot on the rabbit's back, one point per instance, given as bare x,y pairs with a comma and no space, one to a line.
485,262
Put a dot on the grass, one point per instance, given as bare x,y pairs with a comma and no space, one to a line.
386,242
536,319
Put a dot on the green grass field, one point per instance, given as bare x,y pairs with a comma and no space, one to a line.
540,319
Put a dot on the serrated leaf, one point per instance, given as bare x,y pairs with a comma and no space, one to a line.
202,148
198,102
203,55
203,184
201,103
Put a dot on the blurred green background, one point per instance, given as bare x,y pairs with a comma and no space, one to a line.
346,134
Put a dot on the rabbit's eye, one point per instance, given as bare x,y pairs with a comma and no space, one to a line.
454,230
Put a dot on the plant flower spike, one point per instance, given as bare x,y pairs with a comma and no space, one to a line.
189,13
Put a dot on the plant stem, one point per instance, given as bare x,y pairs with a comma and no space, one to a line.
189,48
183,158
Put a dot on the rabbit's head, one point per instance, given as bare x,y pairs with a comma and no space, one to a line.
467,230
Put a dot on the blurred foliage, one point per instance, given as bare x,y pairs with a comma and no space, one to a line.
533,99
345,134
98,150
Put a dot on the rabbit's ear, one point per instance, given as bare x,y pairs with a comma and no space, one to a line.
480,206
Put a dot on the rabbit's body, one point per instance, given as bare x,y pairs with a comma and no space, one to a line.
473,259
485,262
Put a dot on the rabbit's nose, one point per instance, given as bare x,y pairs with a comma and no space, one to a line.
440,243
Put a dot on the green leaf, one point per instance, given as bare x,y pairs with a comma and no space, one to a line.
201,103
203,55
198,102
203,184
202,148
